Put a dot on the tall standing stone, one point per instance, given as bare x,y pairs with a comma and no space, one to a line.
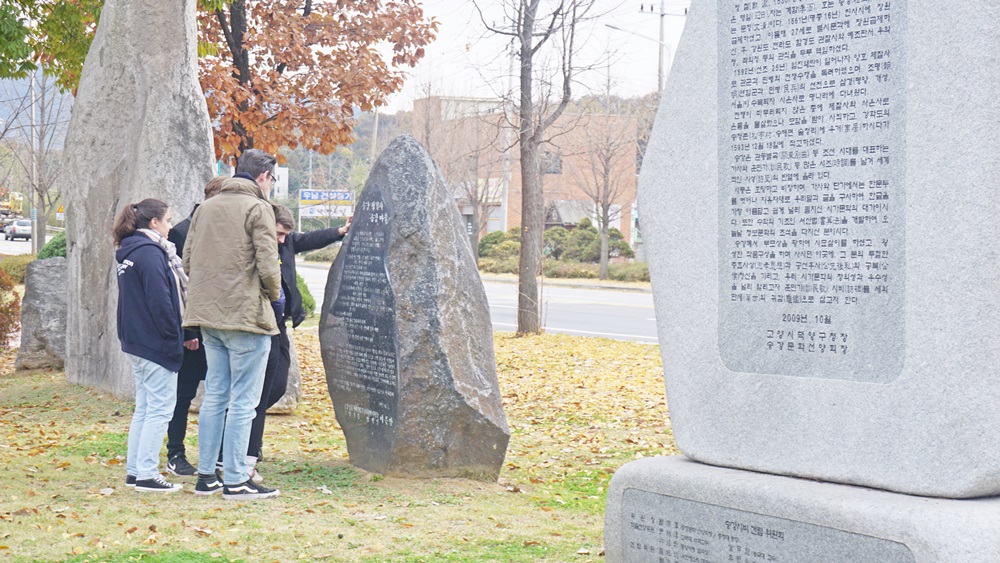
818,203
405,331
139,129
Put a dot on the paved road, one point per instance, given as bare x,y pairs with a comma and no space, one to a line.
21,246
622,315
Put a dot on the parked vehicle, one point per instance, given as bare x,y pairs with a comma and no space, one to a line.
19,229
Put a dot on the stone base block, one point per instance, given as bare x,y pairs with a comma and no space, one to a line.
671,509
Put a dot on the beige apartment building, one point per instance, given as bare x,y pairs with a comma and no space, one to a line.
589,156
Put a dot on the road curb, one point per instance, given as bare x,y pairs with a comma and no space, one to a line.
501,279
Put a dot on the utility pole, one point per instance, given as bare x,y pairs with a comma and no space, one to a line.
37,235
663,19
374,148
661,74
309,184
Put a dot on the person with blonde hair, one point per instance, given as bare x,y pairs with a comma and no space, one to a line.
151,292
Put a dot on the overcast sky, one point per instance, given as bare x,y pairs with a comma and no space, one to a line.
467,60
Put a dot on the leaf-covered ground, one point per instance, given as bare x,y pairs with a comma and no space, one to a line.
578,408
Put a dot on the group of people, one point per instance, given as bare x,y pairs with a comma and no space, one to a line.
208,299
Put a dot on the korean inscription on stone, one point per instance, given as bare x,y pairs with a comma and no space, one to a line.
664,529
369,383
811,187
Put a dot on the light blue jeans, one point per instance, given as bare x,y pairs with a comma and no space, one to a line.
235,378
155,395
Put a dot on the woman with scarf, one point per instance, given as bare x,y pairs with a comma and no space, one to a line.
151,289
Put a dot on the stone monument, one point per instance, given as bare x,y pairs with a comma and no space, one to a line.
139,129
814,200
405,331
43,316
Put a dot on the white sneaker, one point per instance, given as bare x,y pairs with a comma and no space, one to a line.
255,476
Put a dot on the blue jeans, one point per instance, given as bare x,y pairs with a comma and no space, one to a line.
235,378
155,394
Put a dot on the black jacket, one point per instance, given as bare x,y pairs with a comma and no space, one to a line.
178,235
295,243
149,316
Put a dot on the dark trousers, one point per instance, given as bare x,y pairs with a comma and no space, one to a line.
275,385
191,373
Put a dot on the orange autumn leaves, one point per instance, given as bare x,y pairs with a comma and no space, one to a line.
290,74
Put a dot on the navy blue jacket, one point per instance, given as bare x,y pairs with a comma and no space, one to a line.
149,316
295,243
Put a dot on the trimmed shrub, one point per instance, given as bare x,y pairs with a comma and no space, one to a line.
630,272
498,266
14,266
504,250
554,241
327,254
308,302
565,269
53,248
490,240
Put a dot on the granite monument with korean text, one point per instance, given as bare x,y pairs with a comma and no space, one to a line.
139,129
819,206
405,331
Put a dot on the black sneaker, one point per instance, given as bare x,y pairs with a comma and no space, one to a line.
156,485
179,466
208,484
130,481
248,490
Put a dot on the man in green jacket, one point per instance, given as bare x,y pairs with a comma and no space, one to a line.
231,258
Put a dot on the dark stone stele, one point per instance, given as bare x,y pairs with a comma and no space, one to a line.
405,333
43,316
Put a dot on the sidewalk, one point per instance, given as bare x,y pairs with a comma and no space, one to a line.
640,287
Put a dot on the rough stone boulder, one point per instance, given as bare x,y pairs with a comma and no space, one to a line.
405,331
43,316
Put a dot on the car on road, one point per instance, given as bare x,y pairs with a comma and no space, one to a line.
19,229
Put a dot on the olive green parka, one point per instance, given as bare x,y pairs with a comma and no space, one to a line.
231,259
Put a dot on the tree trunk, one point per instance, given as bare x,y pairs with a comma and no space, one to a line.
603,272
531,241
476,228
531,196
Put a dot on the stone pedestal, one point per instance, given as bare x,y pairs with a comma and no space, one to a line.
671,509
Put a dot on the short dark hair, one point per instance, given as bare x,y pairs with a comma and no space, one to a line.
255,162
283,216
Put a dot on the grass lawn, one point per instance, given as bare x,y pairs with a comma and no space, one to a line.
578,408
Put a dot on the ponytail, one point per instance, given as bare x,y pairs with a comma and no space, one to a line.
136,216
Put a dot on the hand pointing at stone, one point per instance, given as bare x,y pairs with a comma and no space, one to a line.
347,227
